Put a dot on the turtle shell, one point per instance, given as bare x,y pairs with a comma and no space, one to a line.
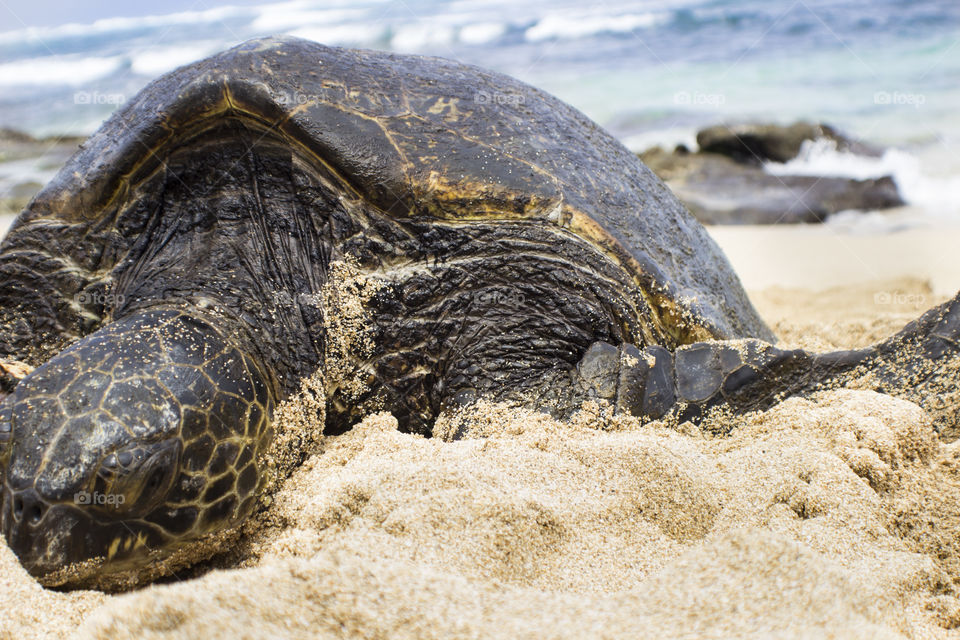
429,138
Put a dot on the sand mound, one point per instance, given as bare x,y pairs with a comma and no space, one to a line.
845,316
543,529
836,516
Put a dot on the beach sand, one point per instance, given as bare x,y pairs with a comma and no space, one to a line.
836,516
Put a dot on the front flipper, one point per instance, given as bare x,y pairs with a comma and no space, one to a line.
919,364
750,375
744,375
636,382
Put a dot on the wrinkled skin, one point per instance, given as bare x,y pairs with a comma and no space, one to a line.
165,285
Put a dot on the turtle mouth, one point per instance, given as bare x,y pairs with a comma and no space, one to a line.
63,544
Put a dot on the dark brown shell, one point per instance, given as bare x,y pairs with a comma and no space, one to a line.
419,136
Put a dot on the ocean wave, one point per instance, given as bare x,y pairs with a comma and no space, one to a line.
413,37
345,34
114,25
665,137
159,60
935,194
822,158
58,70
283,17
406,37
565,27
481,32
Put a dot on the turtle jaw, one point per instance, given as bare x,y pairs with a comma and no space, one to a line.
62,544
69,546
34,531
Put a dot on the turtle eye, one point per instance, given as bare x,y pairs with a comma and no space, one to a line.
6,423
133,481
6,433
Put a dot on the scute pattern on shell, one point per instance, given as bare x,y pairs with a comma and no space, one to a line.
414,136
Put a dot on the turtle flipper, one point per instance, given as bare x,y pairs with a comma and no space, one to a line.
636,382
748,375
921,364
652,382
744,375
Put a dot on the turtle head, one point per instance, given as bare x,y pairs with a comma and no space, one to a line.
130,443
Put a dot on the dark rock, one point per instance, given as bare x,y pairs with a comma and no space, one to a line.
718,190
44,155
757,143
14,136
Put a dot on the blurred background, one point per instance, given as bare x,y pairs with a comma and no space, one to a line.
884,74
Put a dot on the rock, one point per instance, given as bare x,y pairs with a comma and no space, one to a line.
718,190
757,143
26,163
724,182
13,136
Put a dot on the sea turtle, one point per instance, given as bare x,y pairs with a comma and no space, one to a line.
167,286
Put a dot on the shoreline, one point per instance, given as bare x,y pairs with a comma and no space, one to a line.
819,257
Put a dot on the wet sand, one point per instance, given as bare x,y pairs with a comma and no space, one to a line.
837,516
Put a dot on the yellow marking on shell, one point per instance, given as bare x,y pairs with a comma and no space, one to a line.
301,107
226,106
128,544
671,318
443,105
114,547
141,540
498,150
459,200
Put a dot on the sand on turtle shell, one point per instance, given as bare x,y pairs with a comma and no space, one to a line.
836,516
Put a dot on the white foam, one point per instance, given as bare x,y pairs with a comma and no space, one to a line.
481,32
571,26
821,158
935,194
111,25
158,60
292,16
345,34
668,138
418,35
57,70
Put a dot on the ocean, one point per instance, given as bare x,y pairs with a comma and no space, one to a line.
652,72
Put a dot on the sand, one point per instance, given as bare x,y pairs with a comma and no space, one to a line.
835,516
816,257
